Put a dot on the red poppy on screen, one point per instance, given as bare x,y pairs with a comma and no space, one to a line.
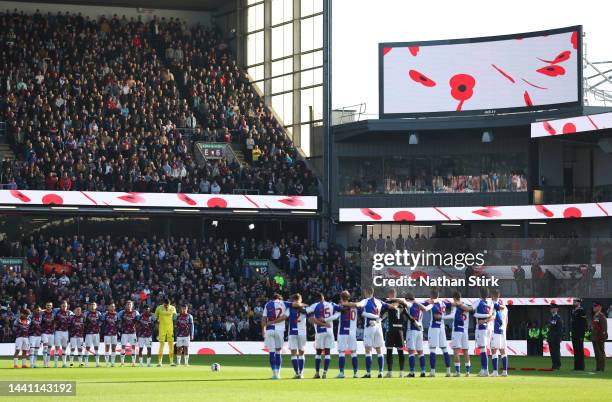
403,216
421,78
52,199
572,212
216,202
413,50
569,128
370,214
462,88
552,70
133,198
548,127
574,39
292,201
527,98
563,56
386,50
186,199
20,196
488,212
544,211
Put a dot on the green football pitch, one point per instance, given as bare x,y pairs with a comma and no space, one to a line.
246,378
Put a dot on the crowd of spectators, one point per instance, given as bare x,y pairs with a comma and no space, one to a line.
114,104
225,294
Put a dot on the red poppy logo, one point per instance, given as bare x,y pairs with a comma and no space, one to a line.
20,196
414,50
206,351
421,78
572,212
548,127
569,128
574,40
133,198
216,202
403,216
527,99
544,211
370,214
292,202
561,57
552,70
52,199
488,212
186,199
462,88
386,50
502,72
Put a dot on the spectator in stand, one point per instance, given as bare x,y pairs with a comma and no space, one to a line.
226,301
109,115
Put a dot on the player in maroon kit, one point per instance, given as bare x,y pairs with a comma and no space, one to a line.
48,329
77,329
144,331
93,319
61,317
127,320
22,341
184,334
35,335
110,322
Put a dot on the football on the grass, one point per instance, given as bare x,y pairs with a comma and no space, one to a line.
215,367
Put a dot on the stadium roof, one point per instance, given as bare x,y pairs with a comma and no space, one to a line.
199,5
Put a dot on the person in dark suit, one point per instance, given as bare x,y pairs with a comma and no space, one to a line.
555,334
579,326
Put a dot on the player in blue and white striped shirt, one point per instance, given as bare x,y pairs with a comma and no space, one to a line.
347,335
297,333
373,309
459,339
436,334
498,343
273,332
483,315
323,313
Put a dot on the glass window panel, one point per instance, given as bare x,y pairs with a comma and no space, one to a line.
318,102
256,72
281,67
305,138
282,11
249,2
283,106
313,59
311,77
309,7
282,41
255,18
360,175
306,100
255,48
312,33
283,83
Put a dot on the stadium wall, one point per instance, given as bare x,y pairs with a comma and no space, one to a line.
514,348
146,14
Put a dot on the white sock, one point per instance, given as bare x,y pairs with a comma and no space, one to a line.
186,359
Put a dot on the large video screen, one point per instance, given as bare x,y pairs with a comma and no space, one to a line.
531,71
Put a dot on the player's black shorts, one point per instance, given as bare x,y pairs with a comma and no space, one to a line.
395,338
